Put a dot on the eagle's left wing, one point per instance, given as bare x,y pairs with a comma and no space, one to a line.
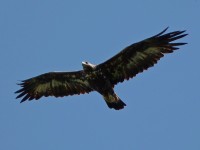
139,56
56,84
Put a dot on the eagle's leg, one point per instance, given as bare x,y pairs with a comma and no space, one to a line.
113,101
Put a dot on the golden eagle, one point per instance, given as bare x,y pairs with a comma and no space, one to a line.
103,77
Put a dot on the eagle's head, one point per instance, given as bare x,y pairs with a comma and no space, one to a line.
88,66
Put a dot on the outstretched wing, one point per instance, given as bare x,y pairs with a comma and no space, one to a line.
139,56
56,84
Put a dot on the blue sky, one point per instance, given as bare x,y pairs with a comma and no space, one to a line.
39,36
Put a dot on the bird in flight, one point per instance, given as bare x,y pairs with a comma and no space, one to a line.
103,77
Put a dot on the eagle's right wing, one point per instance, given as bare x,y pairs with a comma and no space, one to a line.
56,84
139,56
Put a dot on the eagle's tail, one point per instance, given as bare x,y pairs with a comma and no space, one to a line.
113,101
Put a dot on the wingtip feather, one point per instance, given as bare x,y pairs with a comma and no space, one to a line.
162,32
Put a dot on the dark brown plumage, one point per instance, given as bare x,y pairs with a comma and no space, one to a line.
103,77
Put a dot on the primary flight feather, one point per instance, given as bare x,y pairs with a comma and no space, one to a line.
103,77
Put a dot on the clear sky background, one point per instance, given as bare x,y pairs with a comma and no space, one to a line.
163,103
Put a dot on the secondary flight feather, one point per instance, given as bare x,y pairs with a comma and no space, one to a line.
103,77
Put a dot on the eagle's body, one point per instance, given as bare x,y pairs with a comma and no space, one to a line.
103,77
99,82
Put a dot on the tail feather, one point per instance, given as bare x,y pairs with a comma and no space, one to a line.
116,105
113,101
